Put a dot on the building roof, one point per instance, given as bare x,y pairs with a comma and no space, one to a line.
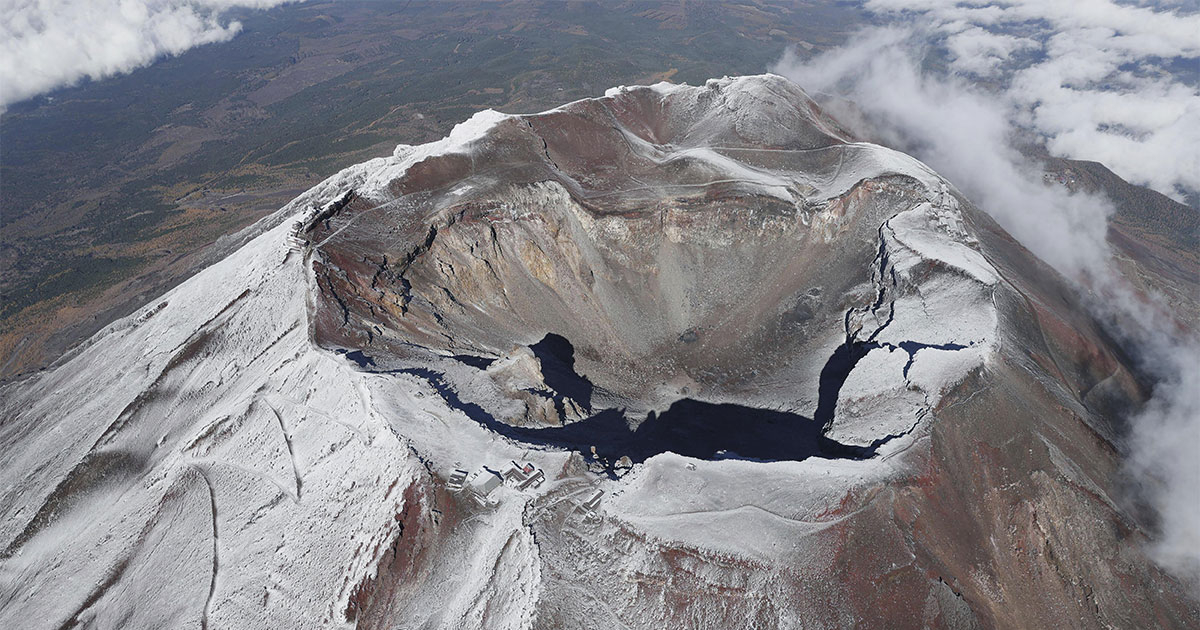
485,481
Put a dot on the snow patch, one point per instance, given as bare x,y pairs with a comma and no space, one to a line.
754,510
405,156
933,320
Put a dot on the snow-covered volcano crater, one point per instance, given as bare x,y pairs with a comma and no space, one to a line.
716,244
269,444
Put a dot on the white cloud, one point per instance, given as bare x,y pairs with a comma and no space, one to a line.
966,131
46,44
963,133
981,52
1093,84
1163,458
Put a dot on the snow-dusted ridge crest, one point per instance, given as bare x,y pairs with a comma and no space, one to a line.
371,178
204,463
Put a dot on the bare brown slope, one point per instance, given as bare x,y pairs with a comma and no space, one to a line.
1156,239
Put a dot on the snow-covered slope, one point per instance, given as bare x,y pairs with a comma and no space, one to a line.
185,466
256,450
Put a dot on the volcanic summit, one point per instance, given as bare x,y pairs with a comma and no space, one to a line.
735,369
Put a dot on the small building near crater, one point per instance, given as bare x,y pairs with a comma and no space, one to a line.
482,483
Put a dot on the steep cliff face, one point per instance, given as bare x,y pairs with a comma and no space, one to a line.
815,386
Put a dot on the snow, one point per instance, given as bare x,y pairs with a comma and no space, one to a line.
938,323
913,230
768,511
876,400
182,386
881,371
218,400
383,171
662,88
502,577
935,370
734,171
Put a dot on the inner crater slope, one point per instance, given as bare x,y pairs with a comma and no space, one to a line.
728,243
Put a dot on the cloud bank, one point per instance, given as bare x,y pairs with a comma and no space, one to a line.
964,125
965,134
1095,79
47,44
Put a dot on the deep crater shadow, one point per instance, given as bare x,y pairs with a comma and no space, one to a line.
837,370
704,430
557,357
833,376
689,427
